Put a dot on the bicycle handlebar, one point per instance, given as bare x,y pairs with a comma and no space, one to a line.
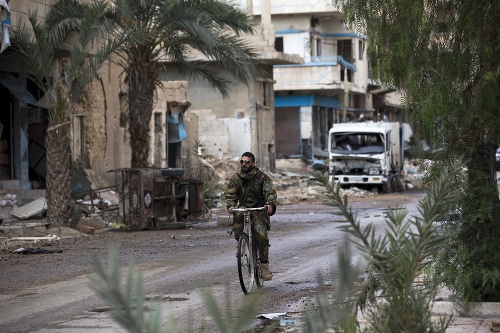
248,209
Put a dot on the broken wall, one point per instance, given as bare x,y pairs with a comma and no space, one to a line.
100,130
254,101
211,132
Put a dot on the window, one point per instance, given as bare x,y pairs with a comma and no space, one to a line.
361,49
278,44
123,99
318,47
79,137
268,91
356,101
344,49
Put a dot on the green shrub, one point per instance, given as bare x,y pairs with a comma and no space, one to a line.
389,298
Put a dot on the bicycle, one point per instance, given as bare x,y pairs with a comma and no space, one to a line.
247,254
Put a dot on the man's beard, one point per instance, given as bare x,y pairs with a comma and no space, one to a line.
245,168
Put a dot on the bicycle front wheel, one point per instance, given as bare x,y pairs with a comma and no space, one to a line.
246,271
256,260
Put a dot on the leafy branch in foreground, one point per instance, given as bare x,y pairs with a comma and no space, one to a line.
227,322
390,299
128,309
337,312
126,306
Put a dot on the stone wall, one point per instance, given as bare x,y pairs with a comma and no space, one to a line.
212,132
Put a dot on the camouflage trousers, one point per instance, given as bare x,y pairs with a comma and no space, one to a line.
259,231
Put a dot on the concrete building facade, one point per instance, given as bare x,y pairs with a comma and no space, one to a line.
245,121
334,84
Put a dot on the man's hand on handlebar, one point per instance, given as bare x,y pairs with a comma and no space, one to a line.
230,210
269,209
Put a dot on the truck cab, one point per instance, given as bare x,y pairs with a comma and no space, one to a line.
367,154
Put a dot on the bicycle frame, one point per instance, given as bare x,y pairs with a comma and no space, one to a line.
249,263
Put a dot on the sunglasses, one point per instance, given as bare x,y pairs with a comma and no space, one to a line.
245,162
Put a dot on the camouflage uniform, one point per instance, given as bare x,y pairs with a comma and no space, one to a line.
261,193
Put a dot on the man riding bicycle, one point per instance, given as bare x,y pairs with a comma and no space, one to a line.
251,187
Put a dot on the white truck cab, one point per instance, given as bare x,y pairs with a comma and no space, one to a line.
365,154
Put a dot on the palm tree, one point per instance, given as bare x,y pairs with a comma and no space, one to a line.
201,37
62,80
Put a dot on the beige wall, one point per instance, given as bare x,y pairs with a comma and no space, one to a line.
105,136
19,9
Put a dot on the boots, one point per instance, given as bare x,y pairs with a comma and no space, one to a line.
265,272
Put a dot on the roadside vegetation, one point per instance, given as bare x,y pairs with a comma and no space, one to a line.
447,65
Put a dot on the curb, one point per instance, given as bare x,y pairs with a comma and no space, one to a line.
474,309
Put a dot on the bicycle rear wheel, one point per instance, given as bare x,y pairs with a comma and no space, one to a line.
246,271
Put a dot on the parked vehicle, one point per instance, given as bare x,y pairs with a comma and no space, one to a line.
367,154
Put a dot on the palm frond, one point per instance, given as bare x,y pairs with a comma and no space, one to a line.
67,16
37,51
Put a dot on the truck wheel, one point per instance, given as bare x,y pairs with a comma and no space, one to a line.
397,184
385,187
389,187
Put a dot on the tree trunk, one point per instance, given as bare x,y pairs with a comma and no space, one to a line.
142,83
58,175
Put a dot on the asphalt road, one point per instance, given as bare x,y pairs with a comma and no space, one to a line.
51,292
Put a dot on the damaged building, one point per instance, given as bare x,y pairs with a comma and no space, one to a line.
317,74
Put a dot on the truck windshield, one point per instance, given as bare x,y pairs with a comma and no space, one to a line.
357,143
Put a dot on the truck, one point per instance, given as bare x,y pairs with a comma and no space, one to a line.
367,154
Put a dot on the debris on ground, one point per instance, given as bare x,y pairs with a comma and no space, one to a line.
273,315
36,250
494,326
294,179
48,237
33,208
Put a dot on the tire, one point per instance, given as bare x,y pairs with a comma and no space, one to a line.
258,276
246,270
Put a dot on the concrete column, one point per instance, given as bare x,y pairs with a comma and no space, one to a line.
265,17
252,115
250,7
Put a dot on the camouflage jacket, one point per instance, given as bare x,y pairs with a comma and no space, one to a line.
261,193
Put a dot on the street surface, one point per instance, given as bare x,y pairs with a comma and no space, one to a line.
51,293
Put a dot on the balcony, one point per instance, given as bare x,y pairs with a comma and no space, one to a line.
297,7
325,73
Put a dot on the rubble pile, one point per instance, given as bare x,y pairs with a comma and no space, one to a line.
294,181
